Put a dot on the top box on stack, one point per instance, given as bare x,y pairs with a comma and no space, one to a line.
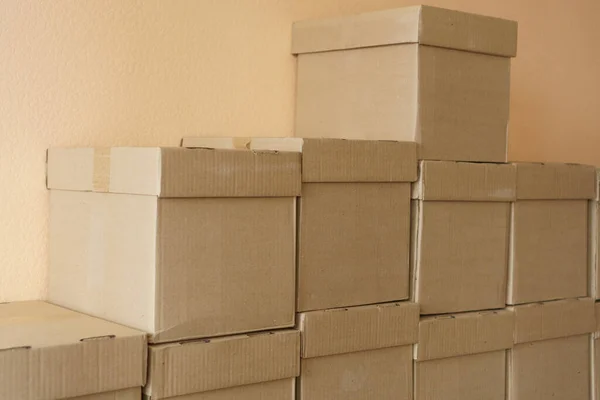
179,243
439,77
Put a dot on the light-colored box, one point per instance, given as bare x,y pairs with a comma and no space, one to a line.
460,235
358,353
435,76
594,243
463,356
550,232
551,358
596,355
177,242
255,366
353,217
49,352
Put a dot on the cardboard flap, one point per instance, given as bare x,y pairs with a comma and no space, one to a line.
418,24
554,319
464,181
199,366
41,343
346,330
463,334
553,181
175,172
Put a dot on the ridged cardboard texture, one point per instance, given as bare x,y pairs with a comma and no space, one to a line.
41,344
463,334
548,256
596,356
125,394
348,330
554,319
282,389
185,267
418,24
332,160
202,366
554,181
471,377
374,374
174,172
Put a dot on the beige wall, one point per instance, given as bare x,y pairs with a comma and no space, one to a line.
132,72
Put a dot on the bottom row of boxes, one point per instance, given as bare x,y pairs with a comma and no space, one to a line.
543,350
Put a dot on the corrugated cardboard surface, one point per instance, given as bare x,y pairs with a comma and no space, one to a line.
536,181
41,344
175,172
353,245
554,319
202,366
126,394
548,250
459,255
345,330
374,374
185,267
423,24
283,389
454,103
594,243
463,334
464,181
472,377
550,369
596,356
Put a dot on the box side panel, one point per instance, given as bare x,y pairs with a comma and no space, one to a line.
354,244
126,394
282,389
368,93
102,257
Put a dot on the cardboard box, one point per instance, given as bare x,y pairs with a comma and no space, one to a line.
354,217
358,353
256,366
594,243
460,235
550,232
551,356
435,76
49,352
596,356
179,243
463,356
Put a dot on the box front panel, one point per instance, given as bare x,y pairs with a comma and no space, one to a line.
368,93
549,250
473,377
550,369
461,256
226,265
125,394
283,389
463,105
354,244
384,374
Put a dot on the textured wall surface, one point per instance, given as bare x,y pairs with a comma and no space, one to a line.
133,72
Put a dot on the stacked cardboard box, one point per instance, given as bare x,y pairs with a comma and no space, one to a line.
183,244
49,352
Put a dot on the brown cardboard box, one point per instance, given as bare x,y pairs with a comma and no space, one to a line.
439,77
551,356
354,217
358,353
549,232
49,352
179,243
594,243
596,356
258,366
463,356
460,235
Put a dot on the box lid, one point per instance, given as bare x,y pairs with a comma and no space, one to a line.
554,181
41,344
462,334
199,366
465,181
346,330
174,172
554,319
333,160
425,25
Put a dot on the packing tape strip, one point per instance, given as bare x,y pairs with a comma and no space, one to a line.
101,177
241,143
